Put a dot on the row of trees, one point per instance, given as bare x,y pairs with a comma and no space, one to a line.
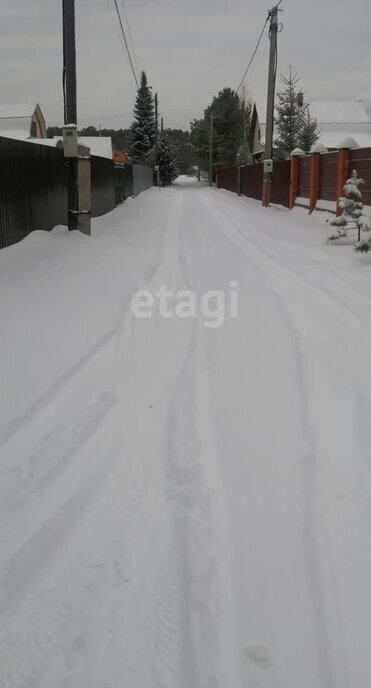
295,126
148,146
176,151
231,126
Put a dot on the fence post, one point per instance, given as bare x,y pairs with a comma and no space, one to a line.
342,172
314,180
294,176
239,180
84,193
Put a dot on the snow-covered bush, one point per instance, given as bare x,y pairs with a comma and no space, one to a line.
352,216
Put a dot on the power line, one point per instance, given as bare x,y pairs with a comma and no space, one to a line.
130,36
254,53
126,42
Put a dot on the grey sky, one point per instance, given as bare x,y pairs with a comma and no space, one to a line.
189,48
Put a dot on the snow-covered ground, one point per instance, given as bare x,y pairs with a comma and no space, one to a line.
184,506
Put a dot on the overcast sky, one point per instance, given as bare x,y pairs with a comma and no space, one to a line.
189,48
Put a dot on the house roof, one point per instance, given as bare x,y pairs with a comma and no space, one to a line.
16,111
100,146
340,112
341,118
16,120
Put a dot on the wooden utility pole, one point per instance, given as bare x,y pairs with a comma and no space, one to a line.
156,127
270,103
211,150
162,125
70,104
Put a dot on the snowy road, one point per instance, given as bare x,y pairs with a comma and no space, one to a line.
184,506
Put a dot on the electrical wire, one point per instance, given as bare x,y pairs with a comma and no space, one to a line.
126,42
254,53
129,34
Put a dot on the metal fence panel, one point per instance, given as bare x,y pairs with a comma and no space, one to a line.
103,186
304,177
327,176
227,178
280,187
252,181
142,178
128,181
33,189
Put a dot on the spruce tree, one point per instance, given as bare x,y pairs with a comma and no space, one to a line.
352,215
167,160
310,131
244,156
142,131
295,127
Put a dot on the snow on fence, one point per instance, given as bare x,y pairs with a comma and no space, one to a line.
33,188
314,181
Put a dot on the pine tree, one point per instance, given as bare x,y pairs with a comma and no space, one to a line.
352,212
310,131
295,126
142,133
167,160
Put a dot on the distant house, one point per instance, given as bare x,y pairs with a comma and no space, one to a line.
22,122
338,119
119,156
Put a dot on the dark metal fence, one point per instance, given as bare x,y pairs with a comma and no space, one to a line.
227,178
142,178
103,186
33,187
280,187
252,181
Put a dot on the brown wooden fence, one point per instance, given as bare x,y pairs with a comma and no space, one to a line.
280,187
313,181
251,181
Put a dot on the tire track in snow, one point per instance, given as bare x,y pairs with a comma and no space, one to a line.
192,645
309,460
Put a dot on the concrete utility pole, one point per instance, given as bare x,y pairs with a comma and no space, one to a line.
211,150
70,104
270,105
